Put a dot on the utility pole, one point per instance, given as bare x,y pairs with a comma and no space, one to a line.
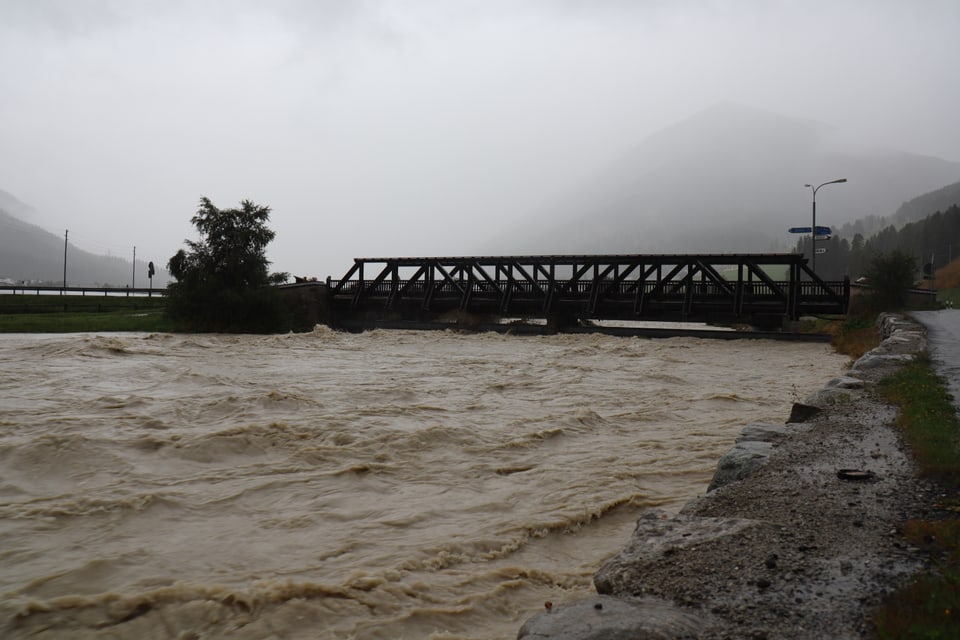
66,233
133,280
933,271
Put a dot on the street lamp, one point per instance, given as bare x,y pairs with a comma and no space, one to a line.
813,228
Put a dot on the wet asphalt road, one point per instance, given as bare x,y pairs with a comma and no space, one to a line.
943,343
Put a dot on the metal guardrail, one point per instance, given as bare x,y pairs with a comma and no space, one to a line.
40,290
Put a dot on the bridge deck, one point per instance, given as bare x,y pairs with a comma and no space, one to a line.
683,287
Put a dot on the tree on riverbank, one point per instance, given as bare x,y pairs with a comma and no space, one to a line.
890,277
222,280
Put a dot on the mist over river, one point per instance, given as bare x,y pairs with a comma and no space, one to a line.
332,485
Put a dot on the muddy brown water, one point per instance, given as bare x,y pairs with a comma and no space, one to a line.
329,485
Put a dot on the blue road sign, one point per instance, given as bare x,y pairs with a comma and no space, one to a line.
801,229
822,231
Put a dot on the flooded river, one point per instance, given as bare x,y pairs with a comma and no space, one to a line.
329,485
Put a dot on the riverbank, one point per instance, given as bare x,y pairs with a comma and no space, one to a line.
77,313
799,537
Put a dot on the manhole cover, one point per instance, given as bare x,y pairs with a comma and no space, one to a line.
855,474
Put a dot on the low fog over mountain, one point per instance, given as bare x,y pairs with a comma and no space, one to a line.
435,127
32,254
728,179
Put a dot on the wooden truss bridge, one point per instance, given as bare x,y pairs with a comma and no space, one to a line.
755,289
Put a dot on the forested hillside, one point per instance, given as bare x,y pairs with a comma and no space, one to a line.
934,239
911,211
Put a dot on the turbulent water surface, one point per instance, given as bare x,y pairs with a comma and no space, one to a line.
329,485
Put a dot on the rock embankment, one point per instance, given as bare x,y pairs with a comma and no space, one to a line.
797,536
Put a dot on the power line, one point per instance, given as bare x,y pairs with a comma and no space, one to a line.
111,249
79,240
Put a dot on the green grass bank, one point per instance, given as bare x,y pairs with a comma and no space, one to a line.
73,313
928,606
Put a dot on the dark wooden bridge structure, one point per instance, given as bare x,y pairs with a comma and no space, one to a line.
760,290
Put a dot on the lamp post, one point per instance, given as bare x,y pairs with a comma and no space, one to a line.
813,228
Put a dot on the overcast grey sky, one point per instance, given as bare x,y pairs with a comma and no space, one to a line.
408,127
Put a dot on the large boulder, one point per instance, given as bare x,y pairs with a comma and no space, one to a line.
742,460
656,536
902,340
802,413
845,382
830,396
764,432
874,360
608,618
900,335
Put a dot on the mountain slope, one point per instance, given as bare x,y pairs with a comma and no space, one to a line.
913,210
929,203
728,179
10,204
29,253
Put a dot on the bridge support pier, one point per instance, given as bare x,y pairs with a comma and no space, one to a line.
558,322
309,302
769,322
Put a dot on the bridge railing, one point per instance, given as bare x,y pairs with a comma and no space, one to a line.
375,289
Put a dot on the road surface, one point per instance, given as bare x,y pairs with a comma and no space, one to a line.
943,343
